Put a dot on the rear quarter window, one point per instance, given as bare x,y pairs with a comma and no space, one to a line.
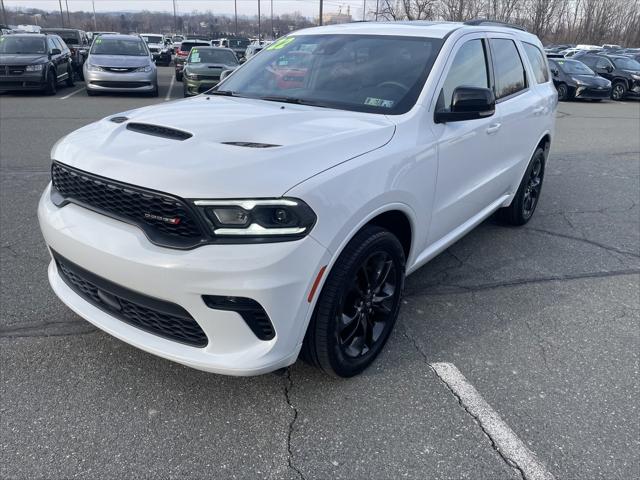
537,61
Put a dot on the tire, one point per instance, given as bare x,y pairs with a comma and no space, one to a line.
70,81
185,94
618,91
563,92
91,93
52,86
351,322
178,77
526,199
596,100
154,92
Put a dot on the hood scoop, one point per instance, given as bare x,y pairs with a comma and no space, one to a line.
251,144
158,131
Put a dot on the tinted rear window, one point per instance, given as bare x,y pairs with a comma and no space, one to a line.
537,61
186,47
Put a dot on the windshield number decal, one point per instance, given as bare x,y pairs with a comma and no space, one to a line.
379,102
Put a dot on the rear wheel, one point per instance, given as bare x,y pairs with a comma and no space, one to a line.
358,305
618,91
526,199
51,88
563,92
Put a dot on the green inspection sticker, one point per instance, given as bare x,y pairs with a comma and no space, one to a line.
379,102
283,42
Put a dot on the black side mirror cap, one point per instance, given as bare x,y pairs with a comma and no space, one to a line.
55,51
468,103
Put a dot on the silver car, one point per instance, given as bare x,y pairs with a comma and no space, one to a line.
120,63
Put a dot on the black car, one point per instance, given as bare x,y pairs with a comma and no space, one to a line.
78,43
573,79
623,72
31,61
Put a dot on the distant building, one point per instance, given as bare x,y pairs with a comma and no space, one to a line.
329,18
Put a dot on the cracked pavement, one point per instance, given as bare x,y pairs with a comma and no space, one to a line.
542,320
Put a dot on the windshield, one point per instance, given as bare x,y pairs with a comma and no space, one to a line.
152,38
574,67
11,45
366,73
626,63
132,47
205,55
70,38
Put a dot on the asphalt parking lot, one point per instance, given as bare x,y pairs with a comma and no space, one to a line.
541,320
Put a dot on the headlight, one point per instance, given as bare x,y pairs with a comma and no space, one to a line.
34,68
146,68
94,68
635,77
578,81
258,220
191,76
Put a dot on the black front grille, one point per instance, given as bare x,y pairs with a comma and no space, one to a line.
12,69
155,316
166,220
594,93
120,69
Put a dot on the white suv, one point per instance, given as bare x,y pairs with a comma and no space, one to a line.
279,213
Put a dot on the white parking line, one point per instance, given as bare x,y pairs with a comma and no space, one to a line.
168,95
512,449
72,93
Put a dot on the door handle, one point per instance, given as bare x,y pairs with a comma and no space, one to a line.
538,110
493,128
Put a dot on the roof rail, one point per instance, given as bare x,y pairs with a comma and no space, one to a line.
493,23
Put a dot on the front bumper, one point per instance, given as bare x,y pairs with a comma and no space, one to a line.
589,92
278,276
194,87
121,82
24,81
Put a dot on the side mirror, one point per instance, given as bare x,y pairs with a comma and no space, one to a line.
225,74
55,51
609,68
555,72
242,60
468,103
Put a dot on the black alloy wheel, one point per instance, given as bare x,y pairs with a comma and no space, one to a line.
563,92
52,86
618,91
526,199
358,305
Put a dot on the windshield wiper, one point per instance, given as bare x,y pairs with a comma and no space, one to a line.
296,101
226,93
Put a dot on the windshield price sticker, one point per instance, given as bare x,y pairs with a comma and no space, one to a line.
283,42
379,102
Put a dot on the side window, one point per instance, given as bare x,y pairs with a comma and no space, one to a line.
602,63
51,44
468,69
536,59
588,61
507,67
59,44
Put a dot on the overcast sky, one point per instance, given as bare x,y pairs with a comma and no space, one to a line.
246,7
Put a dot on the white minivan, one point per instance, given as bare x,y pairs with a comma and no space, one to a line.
278,214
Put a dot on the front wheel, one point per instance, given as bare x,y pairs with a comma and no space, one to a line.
70,80
358,305
51,87
526,199
563,92
179,76
618,91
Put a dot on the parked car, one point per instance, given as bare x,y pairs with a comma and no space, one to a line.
623,73
93,35
176,40
204,66
33,61
183,52
78,44
232,231
573,79
237,44
161,53
120,63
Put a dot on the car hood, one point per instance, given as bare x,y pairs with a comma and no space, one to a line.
119,60
594,80
309,140
23,58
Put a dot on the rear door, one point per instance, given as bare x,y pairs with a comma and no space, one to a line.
520,108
